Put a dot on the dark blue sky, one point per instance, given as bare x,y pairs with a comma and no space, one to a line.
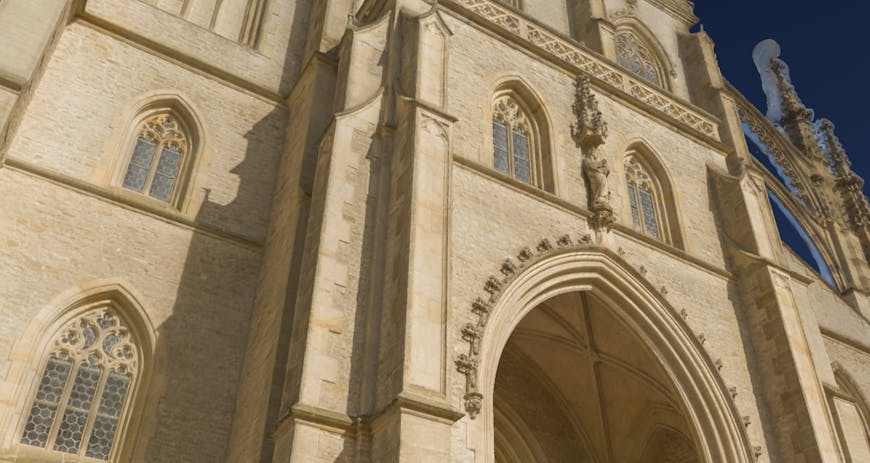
823,43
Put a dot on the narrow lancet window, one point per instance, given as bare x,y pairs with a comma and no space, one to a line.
512,141
642,198
156,161
84,387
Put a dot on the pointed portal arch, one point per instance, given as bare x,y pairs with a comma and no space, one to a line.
622,299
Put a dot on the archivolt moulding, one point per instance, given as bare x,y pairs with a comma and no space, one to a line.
572,265
472,333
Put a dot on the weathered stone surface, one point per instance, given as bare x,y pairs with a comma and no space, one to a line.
355,266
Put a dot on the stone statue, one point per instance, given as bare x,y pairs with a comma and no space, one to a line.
590,132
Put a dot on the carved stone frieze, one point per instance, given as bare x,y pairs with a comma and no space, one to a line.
587,62
473,332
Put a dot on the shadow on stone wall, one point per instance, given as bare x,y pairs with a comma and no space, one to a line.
201,346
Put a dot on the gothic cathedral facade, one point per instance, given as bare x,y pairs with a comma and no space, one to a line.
373,231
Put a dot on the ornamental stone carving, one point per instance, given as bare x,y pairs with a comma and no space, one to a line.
585,61
635,56
472,333
589,133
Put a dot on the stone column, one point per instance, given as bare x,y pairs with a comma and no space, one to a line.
416,419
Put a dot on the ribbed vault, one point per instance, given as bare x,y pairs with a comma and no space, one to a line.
574,384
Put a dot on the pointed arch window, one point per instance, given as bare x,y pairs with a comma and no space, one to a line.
642,198
158,157
633,54
84,388
513,140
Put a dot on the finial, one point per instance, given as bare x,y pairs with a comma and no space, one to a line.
792,106
840,164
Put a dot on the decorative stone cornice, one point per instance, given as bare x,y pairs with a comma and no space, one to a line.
584,61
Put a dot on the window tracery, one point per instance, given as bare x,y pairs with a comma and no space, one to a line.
513,152
642,198
80,399
157,158
634,55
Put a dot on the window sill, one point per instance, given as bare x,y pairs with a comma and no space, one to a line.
27,454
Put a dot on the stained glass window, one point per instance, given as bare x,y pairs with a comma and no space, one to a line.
512,154
500,146
635,56
522,164
83,388
632,199
641,198
157,158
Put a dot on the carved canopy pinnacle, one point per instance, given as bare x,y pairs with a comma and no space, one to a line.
792,106
840,163
590,130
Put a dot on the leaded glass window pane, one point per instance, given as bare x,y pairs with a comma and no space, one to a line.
164,177
157,157
45,405
500,146
140,165
632,199
106,423
522,167
72,428
650,225
513,151
82,418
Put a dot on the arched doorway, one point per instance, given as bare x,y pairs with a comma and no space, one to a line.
582,360
575,384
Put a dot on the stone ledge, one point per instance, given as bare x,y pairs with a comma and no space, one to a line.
618,229
166,214
215,55
570,53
